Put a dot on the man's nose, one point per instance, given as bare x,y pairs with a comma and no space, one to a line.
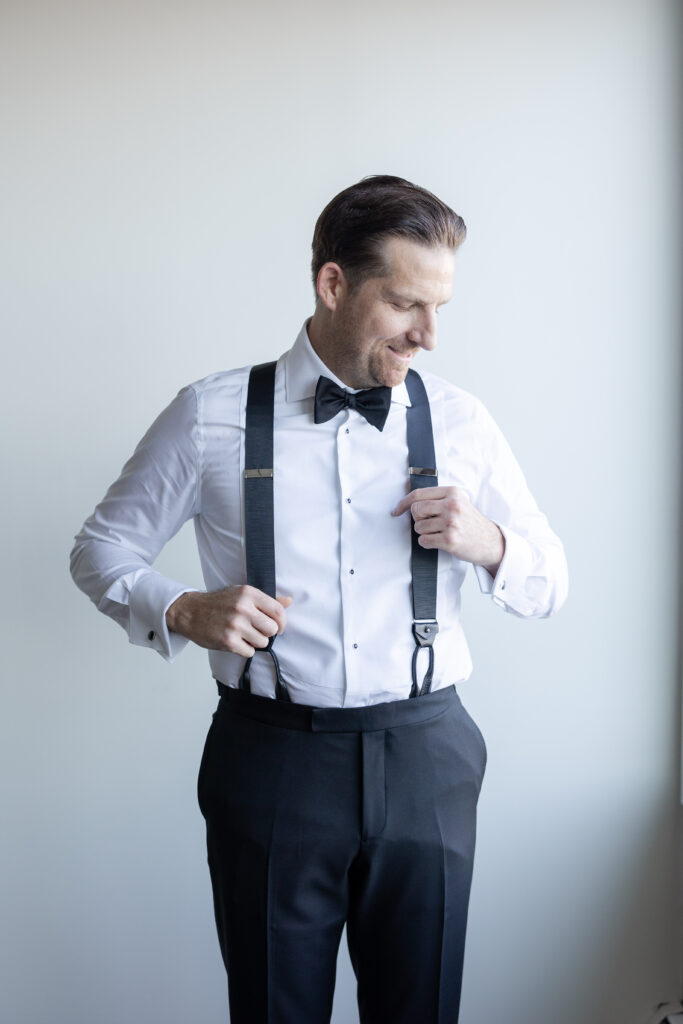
423,331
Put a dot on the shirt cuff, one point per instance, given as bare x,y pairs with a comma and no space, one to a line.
150,598
511,573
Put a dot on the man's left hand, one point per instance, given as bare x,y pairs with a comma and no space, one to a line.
445,518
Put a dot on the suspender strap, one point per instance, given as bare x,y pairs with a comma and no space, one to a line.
258,498
424,561
258,479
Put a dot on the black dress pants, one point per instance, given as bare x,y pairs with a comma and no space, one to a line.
320,816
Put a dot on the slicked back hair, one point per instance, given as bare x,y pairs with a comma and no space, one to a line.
353,227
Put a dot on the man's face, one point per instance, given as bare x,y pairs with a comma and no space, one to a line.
380,326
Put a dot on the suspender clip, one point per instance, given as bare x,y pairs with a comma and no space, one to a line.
424,631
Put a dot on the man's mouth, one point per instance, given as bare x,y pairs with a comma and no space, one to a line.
405,356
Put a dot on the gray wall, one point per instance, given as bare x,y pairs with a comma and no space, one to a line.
163,167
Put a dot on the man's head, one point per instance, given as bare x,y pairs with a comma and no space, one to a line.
382,265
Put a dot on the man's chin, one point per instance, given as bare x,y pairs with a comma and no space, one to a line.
394,378
389,373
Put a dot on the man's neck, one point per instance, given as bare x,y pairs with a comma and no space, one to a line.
316,333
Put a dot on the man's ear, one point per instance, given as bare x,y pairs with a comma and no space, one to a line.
331,285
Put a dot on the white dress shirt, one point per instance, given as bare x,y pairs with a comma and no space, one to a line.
339,553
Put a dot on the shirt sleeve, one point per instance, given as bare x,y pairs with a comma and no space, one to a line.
155,494
532,579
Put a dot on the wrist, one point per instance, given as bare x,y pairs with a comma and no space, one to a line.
178,614
495,557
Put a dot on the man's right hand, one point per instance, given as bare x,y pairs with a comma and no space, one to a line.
237,619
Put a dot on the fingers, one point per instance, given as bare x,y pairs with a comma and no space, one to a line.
425,509
270,607
259,629
240,636
241,647
442,517
430,496
265,614
246,618
430,524
239,619
416,495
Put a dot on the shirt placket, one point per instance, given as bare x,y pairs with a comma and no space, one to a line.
348,569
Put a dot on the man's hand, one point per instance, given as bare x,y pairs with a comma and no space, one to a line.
237,619
446,519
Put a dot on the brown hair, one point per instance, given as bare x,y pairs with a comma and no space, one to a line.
353,226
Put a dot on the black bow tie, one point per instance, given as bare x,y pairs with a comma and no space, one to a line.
372,403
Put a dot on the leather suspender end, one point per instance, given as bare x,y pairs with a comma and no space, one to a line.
256,474
421,471
424,631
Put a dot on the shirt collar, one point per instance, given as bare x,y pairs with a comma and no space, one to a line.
303,367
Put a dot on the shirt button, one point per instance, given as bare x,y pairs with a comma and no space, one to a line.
355,647
502,586
347,431
151,634
351,571
348,501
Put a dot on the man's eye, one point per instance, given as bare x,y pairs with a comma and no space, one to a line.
404,309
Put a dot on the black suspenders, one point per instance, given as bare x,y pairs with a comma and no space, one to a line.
258,512
258,499
424,561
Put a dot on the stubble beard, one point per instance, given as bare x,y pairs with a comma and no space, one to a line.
359,367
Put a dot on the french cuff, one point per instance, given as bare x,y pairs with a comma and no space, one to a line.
150,598
508,586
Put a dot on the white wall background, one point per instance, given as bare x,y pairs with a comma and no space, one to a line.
163,166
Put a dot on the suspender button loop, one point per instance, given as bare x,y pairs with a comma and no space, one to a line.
424,631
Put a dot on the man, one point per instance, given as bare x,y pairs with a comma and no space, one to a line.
340,775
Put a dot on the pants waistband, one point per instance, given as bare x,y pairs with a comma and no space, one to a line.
358,719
